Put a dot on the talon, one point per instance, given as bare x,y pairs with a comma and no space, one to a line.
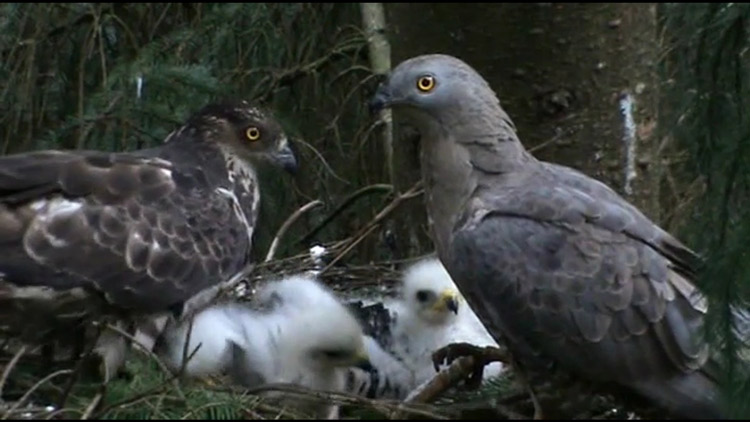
475,379
440,356
482,357
454,351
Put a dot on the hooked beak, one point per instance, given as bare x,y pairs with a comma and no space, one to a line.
362,361
382,99
286,159
448,300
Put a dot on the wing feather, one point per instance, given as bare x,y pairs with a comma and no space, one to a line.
141,230
594,275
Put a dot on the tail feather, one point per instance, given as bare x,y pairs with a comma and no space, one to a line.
690,396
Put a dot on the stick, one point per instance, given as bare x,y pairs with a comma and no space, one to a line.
442,381
289,221
28,393
11,364
335,397
92,405
151,354
457,371
369,227
349,200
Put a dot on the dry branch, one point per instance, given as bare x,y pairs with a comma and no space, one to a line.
289,221
346,203
278,79
350,243
31,390
9,368
340,398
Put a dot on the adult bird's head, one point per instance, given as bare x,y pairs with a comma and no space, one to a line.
466,137
430,293
241,129
435,88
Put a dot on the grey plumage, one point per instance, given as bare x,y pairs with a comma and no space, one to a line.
89,233
579,283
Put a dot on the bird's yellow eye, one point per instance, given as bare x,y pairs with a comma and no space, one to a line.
426,83
252,133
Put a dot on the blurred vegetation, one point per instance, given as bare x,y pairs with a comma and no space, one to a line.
707,112
146,391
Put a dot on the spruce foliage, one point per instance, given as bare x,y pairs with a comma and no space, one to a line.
707,97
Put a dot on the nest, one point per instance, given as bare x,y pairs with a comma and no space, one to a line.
148,390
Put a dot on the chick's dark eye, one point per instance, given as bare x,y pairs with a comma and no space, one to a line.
334,354
423,295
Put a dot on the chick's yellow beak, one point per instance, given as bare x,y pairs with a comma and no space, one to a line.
448,300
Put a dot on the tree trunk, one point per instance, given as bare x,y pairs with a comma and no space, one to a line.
579,81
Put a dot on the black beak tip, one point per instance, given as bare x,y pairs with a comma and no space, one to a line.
287,159
290,165
376,104
380,100
453,306
366,366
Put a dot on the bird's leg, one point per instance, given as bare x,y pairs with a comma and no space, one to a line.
538,414
524,381
482,356
111,350
332,413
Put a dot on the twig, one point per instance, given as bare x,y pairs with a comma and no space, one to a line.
185,355
349,200
289,76
135,341
151,354
89,127
369,227
322,159
32,389
338,398
136,398
11,365
289,221
92,405
351,246
228,286
457,371
171,378
194,411
35,412
442,381
55,413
